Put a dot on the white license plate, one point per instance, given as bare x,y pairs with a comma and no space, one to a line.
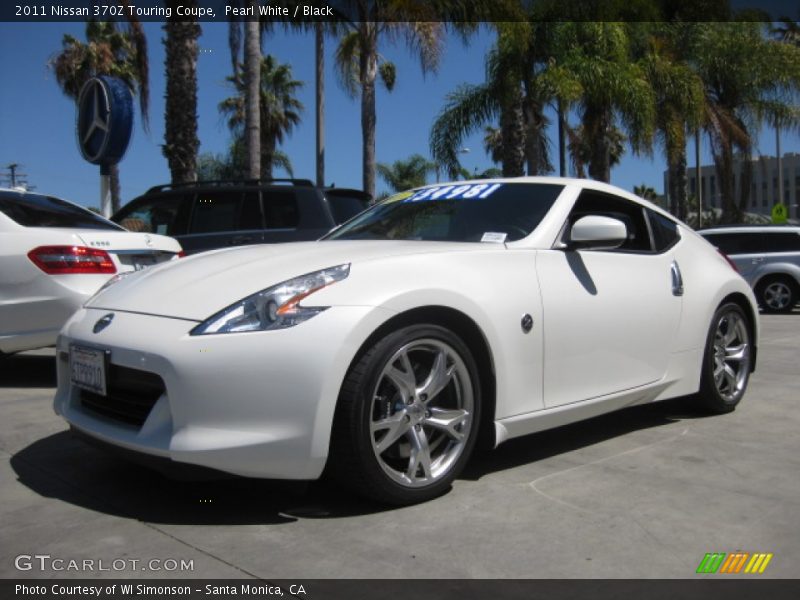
88,368
142,262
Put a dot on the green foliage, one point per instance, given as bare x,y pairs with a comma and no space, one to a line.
406,174
279,108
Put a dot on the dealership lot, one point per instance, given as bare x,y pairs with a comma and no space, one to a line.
646,492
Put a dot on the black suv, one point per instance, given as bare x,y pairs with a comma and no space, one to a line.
218,214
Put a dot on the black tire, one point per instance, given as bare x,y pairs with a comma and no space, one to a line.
777,294
375,394
724,377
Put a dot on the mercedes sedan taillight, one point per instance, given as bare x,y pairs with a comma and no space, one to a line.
63,260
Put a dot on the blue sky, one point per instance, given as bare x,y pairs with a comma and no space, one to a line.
37,122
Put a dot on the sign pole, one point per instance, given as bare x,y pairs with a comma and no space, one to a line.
105,190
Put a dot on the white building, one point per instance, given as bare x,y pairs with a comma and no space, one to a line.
763,187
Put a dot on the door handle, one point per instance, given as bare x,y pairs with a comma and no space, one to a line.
677,279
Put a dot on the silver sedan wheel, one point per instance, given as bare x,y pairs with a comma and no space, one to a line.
421,414
777,295
731,355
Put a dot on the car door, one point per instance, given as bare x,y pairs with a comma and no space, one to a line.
608,315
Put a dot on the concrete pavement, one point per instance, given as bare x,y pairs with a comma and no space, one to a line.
642,493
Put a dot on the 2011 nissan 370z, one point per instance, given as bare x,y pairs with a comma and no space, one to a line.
381,353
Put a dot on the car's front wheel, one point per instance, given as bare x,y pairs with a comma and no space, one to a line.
727,361
777,294
408,416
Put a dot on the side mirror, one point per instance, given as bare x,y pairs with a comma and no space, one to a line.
594,232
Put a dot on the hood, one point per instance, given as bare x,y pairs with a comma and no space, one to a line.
196,287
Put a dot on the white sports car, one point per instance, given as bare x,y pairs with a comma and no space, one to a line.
383,352
53,256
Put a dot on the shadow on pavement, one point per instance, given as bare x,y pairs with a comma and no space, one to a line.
27,371
539,446
63,467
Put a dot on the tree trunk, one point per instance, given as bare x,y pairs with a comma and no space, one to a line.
267,158
678,180
746,179
113,184
319,42
682,183
512,133
723,161
368,71
562,140
597,124
252,78
180,127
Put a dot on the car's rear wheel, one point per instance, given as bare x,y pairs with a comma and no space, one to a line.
727,361
408,416
777,294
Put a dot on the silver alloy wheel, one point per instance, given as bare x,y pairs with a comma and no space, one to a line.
421,413
777,295
731,355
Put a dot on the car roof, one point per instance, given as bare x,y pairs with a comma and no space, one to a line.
731,229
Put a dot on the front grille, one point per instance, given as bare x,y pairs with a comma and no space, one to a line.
131,395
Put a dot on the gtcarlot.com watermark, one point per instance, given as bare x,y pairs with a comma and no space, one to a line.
47,562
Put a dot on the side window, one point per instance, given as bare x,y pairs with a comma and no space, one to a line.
155,215
219,211
280,209
250,217
215,212
729,243
665,231
786,242
630,213
344,206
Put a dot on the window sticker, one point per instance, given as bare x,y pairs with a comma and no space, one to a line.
495,237
476,191
398,197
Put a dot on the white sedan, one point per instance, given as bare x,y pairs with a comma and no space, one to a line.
441,317
53,256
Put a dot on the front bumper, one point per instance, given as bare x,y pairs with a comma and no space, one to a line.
256,404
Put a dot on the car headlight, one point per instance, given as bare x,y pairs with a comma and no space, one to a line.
276,307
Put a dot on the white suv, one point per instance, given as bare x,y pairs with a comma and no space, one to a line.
768,257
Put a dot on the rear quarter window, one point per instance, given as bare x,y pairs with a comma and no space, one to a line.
665,231
35,210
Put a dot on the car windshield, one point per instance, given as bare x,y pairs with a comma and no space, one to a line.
35,210
468,212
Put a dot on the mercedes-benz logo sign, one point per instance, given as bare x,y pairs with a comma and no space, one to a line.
93,119
103,322
105,119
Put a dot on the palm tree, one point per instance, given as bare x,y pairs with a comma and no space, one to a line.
406,174
107,51
522,77
679,96
359,64
747,79
788,31
252,83
279,109
597,56
180,118
646,192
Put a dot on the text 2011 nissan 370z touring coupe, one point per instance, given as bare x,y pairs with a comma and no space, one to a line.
382,352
